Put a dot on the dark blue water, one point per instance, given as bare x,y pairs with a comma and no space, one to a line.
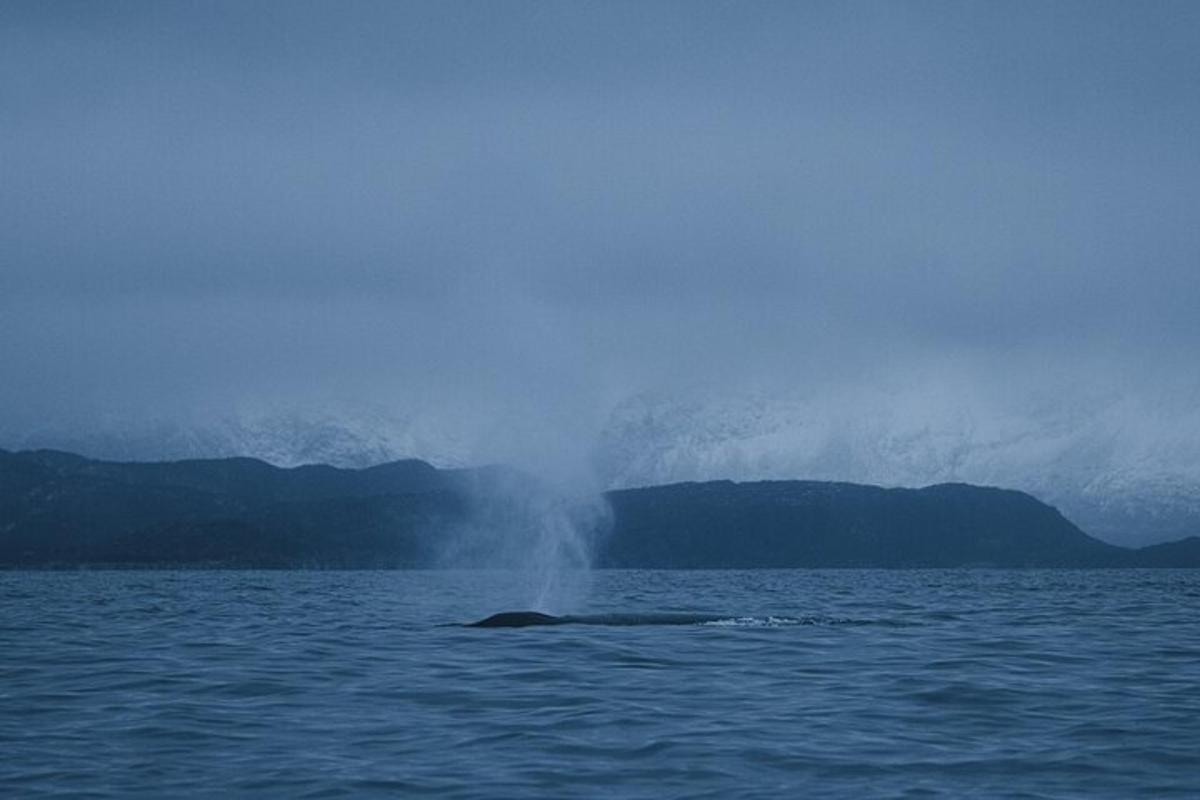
813,684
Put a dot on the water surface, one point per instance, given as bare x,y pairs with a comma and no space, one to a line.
798,683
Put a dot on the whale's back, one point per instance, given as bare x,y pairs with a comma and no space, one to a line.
517,619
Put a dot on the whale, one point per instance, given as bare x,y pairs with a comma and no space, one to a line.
517,619
526,619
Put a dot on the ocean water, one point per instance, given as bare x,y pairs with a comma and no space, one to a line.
1021,684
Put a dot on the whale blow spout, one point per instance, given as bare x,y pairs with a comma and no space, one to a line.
517,619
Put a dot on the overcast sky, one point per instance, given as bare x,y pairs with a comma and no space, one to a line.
532,210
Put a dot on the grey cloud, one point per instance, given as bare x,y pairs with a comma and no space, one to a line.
528,211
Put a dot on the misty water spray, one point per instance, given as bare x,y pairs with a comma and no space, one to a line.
543,537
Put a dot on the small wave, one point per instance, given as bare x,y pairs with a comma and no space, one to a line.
764,622
640,619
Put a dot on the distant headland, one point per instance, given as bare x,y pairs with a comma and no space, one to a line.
60,510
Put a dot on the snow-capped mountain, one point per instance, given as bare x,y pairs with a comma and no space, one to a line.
349,437
1125,471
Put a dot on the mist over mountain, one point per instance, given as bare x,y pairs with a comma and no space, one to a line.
63,510
895,243
1126,471
356,436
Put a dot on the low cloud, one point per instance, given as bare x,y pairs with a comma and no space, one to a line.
516,217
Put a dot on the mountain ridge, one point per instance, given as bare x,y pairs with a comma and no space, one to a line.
62,509
1125,469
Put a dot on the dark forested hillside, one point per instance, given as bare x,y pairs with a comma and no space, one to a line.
816,524
63,510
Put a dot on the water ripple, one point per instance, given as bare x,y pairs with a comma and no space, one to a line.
823,684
